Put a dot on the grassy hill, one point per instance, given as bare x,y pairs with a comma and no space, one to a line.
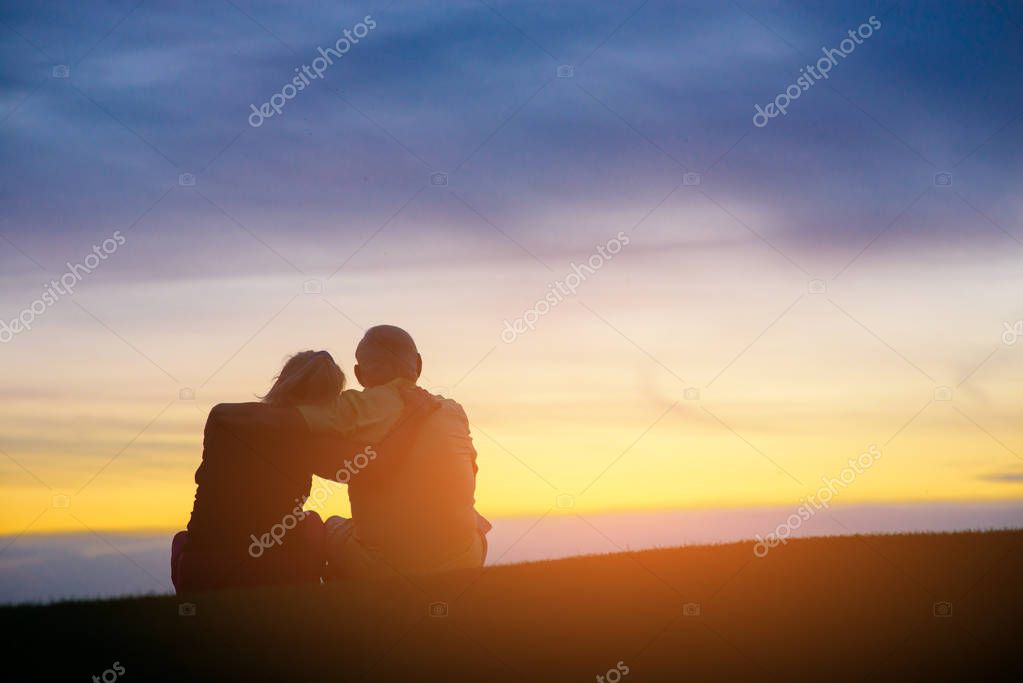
850,608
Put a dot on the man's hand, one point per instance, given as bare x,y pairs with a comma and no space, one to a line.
392,449
419,403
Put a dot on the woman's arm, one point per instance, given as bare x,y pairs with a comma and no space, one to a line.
333,457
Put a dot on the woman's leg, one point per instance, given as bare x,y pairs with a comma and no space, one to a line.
313,543
338,531
178,544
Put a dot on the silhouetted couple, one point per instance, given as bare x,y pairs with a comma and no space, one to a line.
405,455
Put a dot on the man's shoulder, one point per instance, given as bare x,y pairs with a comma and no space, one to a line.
451,411
448,405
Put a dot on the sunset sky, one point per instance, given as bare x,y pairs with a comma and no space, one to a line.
818,285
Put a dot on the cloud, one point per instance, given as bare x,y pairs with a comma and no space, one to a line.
1003,477
435,86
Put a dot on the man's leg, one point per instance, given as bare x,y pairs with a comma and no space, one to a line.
484,526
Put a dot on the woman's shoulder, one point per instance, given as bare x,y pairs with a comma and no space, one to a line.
254,416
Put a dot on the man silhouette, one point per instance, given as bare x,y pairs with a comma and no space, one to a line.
415,512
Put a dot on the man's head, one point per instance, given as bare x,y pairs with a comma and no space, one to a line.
385,353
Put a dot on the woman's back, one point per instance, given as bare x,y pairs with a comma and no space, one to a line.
247,520
252,474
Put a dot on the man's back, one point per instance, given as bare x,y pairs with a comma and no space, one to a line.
420,517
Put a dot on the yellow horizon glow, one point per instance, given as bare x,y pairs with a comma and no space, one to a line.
784,375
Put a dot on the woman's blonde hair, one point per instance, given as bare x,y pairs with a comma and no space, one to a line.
307,377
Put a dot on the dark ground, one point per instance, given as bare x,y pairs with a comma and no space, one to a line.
862,608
